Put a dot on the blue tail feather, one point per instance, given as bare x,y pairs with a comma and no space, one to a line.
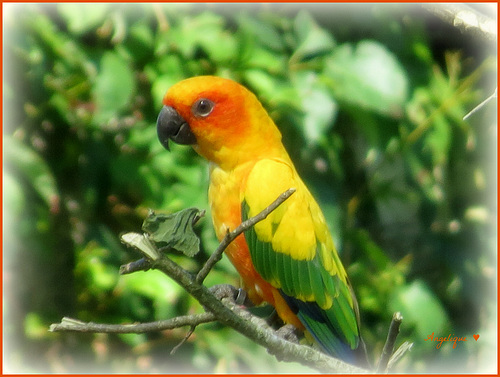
328,336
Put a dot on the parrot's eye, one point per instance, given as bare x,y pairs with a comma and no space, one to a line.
202,108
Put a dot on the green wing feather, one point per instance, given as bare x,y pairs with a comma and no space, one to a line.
313,282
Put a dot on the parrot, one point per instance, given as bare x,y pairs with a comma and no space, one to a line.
289,259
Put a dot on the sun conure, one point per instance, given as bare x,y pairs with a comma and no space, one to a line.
289,259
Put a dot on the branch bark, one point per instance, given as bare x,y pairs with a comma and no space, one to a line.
70,324
397,319
465,18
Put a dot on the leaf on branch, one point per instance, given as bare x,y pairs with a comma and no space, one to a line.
175,231
141,242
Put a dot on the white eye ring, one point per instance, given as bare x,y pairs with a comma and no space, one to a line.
202,108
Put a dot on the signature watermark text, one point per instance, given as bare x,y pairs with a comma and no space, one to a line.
449,338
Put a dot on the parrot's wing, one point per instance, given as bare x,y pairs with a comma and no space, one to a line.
292,249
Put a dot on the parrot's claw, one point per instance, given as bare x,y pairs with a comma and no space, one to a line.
288,332
238,295
241,297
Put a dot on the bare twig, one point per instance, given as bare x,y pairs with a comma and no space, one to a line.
70,324
139,265
230,236
397,318
186,337
481,105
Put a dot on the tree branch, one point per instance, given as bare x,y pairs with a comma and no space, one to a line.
281,348
465,18
226,311
142,264
70,324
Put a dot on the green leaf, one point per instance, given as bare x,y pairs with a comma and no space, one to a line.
14,200
369,76
34,169
93,265
438,139
61,44
160,87
312,40
266,60
420,308
261,82
113,88
166,71
82,17
269,88
175,231
318,106
157,287
205,31
133,340
263,33
34,326
374,253
140,41
424,177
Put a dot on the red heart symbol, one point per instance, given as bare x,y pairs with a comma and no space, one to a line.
476,336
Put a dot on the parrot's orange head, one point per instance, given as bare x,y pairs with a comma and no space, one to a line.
223,120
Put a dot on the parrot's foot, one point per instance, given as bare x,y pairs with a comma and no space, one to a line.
288,332
237,295
224,291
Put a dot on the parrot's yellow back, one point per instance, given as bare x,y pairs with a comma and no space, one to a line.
289,259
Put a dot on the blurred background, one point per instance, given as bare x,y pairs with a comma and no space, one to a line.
370,100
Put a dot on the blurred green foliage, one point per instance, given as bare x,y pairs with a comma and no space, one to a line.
370,103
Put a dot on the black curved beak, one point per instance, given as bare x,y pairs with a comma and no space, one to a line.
170,125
